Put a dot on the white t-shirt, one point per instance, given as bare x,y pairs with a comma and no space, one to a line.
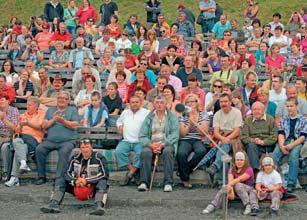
270,179
277,98
282,39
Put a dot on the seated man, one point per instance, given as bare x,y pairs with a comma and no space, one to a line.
159,135
227,124
291,136
87,175
129,125
43,84
158,90
30,135
259,134
60,123
77,55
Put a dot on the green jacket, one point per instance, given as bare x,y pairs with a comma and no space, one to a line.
262,129
171,130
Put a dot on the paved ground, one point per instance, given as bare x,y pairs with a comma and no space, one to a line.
126,203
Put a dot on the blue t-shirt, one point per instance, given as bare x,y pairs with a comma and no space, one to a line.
218,29
58,132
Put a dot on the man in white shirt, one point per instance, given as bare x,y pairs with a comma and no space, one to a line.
278,93
129,125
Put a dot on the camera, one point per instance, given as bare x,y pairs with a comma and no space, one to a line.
33,18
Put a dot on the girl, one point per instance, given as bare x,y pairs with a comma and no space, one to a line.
112,100
238,102
269,183
122,85
171,59
240,181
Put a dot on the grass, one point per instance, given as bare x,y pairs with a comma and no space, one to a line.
24,9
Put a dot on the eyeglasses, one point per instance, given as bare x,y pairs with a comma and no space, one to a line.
191,101
63,98
163,31
217,86
85,73
275,81
227,34
143,64
85,141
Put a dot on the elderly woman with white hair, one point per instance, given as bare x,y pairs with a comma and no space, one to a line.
59,57
191,138
119,66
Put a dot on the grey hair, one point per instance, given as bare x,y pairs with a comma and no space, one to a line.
120,60
66,93
260,104
35,100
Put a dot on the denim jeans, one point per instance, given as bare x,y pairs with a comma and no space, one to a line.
207,25
254,152
122,153
218,159
293,161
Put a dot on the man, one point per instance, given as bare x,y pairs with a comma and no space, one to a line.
161,23
207,8
249,90
153,10
129,125
243,55
221,26
77,55
236,33
43,84
78,74
86,175
9,119
107,9
291,136
49,98
119,66
30,135
5,89
259,134
151,56
227,124
158,90
278,93
30,68
254,41
301,86
214,45
132,25
291,92
185,27
78,85
226,74
187,70
189,14
159,135
171,79
102,41
276,21
61,35
279,39
84,35
60,123
53,9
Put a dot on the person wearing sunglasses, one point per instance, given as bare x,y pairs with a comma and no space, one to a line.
60,124
213,96
85,177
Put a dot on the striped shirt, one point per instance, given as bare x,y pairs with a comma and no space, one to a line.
193,132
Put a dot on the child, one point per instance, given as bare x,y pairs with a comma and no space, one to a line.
269,184
240,181
122,85
95,114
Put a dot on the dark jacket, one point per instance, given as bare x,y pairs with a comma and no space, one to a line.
130,29
96,168
50,12
153,10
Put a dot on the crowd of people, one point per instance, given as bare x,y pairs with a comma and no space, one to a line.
151,67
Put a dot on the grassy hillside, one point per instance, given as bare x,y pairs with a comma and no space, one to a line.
234,8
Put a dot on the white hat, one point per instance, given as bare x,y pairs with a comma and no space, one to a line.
267,161
240,156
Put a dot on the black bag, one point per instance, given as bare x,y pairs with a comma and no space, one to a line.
199,19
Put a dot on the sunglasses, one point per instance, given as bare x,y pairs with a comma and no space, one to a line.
192,101
144,64
227,35
216,86
85,141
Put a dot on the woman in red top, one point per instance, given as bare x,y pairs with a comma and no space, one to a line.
141,81
275,63
44,38
131,63
114,27
85,12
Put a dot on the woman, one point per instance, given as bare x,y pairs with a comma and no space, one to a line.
191,138
70,17
275,62
170,95
23,87
106,62
131,63
83,98
232,53
141,35
43,39
240,182
266,33
114,27
261,55
8,70
224,42
141,93
85,12
251,10
294,23
214,61
241,73
150,75
123,42
59,57
152,37
295,58
11,39
174,29
171,59
55,25
263,97
32,53
238,103
141,81
213,96
197,47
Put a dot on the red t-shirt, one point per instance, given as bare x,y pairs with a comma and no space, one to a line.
275,62
84,15
248,56
61,37
153,58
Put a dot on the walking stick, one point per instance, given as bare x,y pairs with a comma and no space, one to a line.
154,170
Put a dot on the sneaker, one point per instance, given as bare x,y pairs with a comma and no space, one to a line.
4,176
126,179
24,168
14,181
211,170
99,210
52,207
247,210
290,189
168,188
274,211
254,212
142,187
210,208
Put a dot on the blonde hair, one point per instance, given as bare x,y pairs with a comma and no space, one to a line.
194,97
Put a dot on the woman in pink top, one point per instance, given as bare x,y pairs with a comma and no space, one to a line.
275,63
85,12
44,38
